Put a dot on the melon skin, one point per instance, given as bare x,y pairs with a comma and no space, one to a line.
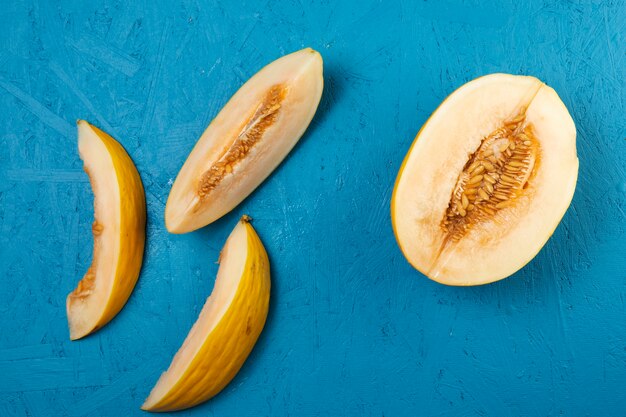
119,233
226,330
495,249
246,141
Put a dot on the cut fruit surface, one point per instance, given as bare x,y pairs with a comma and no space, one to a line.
226,330
246,141
486,181
118,232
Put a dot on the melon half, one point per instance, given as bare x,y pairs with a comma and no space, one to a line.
226,330
486,181
118,232
246,141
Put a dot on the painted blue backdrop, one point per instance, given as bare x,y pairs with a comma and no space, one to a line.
353,330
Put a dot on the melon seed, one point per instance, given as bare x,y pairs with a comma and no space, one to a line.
96,228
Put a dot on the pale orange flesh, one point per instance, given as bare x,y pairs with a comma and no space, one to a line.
118,233
226,330
232,263
486,180
246,141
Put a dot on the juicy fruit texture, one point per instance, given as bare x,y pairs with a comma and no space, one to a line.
118,232
246,141
486,181
226,330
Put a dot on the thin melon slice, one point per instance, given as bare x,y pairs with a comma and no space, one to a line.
226,330
118,232
486,181
246,141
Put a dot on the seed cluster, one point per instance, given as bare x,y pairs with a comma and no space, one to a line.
85,285
495,175
252,132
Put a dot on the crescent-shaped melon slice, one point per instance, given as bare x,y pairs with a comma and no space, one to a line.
486,181
246,141
118,232
226,330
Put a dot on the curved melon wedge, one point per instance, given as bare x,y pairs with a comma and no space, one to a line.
118,232
486,181
246,141
226,330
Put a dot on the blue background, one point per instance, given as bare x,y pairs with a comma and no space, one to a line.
353,330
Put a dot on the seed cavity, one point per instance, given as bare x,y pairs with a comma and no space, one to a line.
265,115
495,175
85,286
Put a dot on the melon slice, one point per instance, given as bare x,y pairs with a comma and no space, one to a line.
486,181
246,141
226,330
118,232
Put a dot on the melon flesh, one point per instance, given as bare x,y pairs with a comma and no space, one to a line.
517,130
226,330
118,232
246,141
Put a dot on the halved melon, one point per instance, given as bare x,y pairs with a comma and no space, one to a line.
118,232
486,181
228,327
246,141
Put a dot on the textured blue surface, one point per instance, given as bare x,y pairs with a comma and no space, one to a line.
353,330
